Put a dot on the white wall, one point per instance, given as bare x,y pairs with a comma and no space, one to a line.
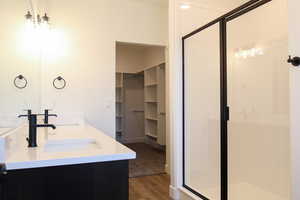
134,58
87,32
129,58
93,28
154,56
294,48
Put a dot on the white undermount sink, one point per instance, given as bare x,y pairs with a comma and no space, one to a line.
62,145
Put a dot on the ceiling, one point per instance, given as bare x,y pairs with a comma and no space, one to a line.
214,3
136,46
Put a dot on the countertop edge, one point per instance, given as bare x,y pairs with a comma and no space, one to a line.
68,161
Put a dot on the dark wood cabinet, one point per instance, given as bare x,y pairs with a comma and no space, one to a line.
94,181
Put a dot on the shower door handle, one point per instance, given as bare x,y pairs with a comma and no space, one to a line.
295,61
227,113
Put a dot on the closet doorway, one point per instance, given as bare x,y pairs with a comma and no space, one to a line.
140,106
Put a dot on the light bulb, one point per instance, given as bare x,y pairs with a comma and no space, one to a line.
28,16
45,18
29,21
185,6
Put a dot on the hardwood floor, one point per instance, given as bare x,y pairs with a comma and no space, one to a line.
154,187
149,160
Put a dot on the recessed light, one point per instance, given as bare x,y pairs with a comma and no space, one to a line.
185,6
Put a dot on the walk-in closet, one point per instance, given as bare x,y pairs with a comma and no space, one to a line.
140,105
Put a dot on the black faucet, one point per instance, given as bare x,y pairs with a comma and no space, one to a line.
28,114
47,115
33,129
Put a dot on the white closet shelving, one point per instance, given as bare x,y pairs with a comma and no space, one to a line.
161,105
151,77
119,103
151,111
151,93
155,103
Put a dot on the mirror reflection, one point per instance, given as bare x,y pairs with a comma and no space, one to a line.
20,73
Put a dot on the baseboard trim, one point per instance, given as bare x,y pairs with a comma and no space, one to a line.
182,194
154,144
188,194
167,169
133,140
174,193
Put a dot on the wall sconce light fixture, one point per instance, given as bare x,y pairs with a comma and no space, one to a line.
28,16
38,20
40,39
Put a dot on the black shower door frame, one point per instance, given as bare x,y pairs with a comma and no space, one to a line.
224,108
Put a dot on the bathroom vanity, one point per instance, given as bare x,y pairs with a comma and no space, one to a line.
72,162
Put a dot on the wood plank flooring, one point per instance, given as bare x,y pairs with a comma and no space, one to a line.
149,160
154,187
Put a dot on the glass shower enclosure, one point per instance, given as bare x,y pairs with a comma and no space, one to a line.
236,105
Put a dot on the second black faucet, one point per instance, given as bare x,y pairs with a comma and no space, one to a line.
32,141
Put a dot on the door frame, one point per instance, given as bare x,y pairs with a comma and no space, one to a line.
224,108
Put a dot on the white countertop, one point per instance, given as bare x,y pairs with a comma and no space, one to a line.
66,145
